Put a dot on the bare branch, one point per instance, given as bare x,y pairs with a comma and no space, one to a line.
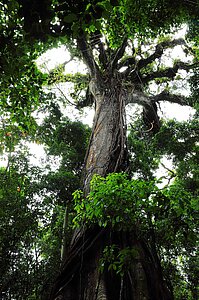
150,116
171,174
168,72
87,101
96,40
63,95
119,53
166,96
102,56
88,56
159,51
135,66
141,98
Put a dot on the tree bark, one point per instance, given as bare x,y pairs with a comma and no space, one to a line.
80,278
107,148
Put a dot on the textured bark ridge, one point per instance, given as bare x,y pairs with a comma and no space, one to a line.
107,151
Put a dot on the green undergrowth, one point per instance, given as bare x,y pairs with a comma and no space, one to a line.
120,202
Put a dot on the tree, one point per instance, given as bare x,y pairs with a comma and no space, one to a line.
33,206
121,66
19,262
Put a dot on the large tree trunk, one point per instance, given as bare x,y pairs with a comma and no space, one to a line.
80,277
107,150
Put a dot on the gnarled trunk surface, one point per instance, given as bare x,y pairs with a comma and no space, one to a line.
80,277
107,149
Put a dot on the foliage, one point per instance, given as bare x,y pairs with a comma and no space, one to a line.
117,259
66,140
175,140
122,203
31,254
101,205
18,230
137,200
19,96
178,142
58,19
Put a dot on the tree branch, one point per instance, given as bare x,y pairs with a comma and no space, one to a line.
88,57
102,55
150,116
159,49
95,40
134,66
168,72
88,100
166,96
119,53
140,98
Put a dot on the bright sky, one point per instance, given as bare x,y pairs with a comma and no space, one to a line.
53,57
